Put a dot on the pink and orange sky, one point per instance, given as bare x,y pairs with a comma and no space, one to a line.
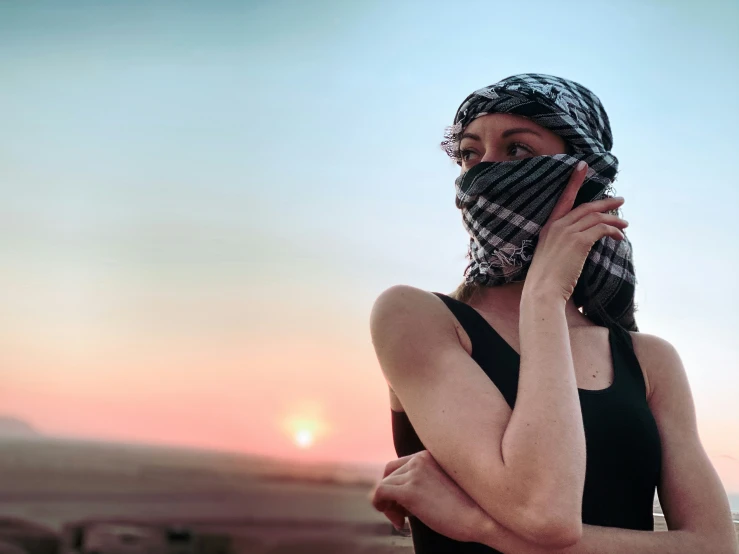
200,205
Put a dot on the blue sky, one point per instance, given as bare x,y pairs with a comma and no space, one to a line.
193,169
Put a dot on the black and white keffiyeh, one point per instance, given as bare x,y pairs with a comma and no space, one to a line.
505,204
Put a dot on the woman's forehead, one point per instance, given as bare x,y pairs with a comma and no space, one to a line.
501,121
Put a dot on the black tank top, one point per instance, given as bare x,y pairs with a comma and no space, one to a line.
621,436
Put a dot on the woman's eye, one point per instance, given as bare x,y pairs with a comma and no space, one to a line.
517,150
466,154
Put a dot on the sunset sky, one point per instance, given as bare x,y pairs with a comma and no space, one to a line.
201,201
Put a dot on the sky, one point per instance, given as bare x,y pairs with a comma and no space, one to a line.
201,201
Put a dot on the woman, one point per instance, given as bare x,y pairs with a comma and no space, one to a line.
499,391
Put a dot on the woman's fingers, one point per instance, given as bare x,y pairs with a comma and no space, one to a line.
596,232
395,513
389,499
390,493
595,218
602,205
567,199
391,488
394,494
393,465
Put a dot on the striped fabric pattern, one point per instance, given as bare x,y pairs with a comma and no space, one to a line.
505,204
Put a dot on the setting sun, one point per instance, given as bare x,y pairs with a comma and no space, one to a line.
305,425
304,438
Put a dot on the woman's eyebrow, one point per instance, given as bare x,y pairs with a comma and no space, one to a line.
510,132
507,133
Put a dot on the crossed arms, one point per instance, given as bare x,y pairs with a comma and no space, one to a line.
527,475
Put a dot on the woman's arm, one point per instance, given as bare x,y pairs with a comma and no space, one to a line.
695,504
693,500
611,540
525,468
545,438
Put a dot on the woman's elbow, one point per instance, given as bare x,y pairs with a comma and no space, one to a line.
550,522
551,531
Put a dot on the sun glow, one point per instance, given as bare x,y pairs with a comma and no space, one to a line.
304,438
305,426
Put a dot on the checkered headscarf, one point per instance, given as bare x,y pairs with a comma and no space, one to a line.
505,204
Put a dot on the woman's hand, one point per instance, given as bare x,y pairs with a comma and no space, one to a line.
417,485
568,236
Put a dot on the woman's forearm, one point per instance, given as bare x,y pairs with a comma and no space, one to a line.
610,540
544,442
627,541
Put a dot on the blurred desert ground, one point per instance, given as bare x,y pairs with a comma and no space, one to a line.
259,505
229,503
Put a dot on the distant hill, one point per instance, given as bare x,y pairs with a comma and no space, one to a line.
14,428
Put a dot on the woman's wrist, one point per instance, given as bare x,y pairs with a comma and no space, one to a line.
542,295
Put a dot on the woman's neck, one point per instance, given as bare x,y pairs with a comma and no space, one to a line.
505,302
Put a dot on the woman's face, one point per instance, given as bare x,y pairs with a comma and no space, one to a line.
505,137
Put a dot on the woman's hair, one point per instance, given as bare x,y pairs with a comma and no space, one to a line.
599,315
465,291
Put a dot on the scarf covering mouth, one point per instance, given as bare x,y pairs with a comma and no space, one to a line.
505,204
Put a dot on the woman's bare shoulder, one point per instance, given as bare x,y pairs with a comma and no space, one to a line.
658,358
409,326
403,293
403,305
403,309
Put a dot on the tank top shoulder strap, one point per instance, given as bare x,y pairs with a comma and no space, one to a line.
625,359
471,321
494,356
483,336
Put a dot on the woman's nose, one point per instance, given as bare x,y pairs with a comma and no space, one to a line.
492,155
